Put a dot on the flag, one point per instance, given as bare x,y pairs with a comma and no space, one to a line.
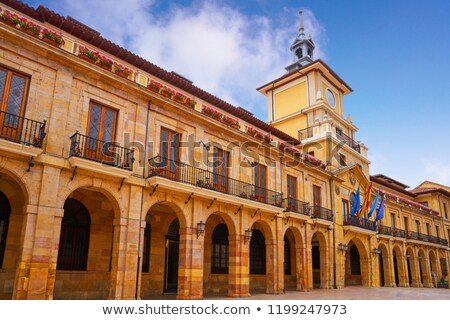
356,203
380,213
374,205
365,206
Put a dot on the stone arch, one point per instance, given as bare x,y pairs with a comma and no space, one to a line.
412,273
357,264
16,195
434,267
160,216
319,257
384,269
104,246
424,268
294,256
262,280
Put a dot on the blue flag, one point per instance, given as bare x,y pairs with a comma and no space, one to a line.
374,205
380,213
356,203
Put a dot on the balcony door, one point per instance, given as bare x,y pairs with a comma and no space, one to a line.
260,183
220,170
317,198
292,193
101,133
169,152
13,87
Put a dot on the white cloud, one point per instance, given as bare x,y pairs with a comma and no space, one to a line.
437,170
222,50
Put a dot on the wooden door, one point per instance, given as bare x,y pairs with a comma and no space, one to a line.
169,153
260,183
292,193
220,169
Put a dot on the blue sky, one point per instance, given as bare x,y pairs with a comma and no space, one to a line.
394,54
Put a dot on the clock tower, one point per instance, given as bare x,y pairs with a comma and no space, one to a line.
302,49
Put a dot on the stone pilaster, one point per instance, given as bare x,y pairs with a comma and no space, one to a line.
238,277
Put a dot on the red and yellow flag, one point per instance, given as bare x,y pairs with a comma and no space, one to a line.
366,204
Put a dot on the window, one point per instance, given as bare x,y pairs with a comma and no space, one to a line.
13,93
257,253
220,168
74,240
287,256
428,229
317,196
345,210
5,211
169,151
437,232
101,133
260,182
444,266
342,160
393,220
219,250
445,211
311,153
417,226
146,248
291,189
405,219
424,203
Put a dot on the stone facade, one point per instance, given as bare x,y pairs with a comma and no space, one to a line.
145,218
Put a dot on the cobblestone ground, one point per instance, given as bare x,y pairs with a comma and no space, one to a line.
354,293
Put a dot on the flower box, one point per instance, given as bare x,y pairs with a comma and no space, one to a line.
190,103
314,161
105,62
154,86
179,97
211,113
9,18
122,70
52,37
87,58
231,122
259,135
166,92
442,285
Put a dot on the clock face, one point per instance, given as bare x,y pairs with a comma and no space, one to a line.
330,98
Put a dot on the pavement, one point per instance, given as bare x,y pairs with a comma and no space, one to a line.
352,293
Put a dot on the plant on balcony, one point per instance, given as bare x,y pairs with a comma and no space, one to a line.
154,86
313,161
52,37
9,18
29,27
231,122
89,55
122,70
243,195
283,146
190,103
105,62
166,92
203,184
179,97
259,135
37,142
211,113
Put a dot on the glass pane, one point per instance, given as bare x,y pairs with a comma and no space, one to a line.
108,125
174,151
15,95
94,126
2,83
223,170
164,152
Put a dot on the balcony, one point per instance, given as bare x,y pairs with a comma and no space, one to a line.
101,152
293,205
348,141
318,212
443,242
417,236
362,223
305,133
385,230
184,173
399,233
16,130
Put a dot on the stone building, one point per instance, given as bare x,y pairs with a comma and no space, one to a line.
121,180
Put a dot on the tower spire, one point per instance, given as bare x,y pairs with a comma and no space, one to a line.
302,29
302,49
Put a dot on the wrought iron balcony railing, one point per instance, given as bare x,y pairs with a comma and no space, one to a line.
399,233
22,130
293,205
385,230
360,222
443,242
181,172
108,153
321,213
348,141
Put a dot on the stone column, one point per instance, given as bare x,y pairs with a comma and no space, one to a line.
308,258
426,272
190,271
301,267
415,272
36,271
238,277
